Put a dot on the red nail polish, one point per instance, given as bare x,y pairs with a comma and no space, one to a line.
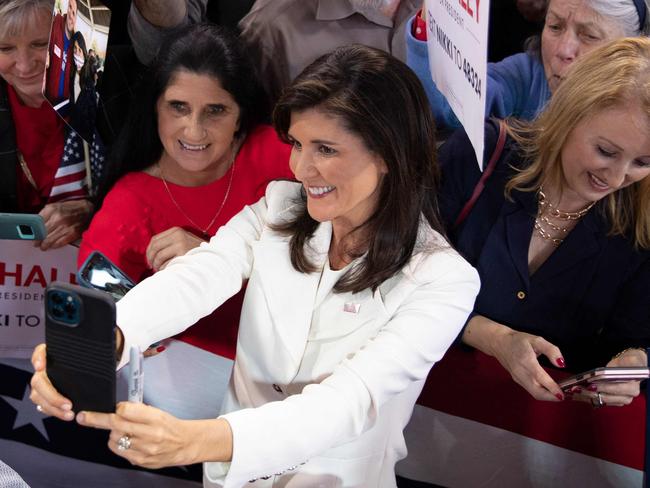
160,348
559,396
560,362
592,387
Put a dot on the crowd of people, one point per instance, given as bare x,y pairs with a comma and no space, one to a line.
281,192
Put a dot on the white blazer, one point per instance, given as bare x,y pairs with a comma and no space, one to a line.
320,378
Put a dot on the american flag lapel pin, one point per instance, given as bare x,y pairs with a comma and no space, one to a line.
351,307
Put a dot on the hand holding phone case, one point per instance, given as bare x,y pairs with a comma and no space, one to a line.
80,338
29,227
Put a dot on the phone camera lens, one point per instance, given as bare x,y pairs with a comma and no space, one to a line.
69,309
26,230
57,312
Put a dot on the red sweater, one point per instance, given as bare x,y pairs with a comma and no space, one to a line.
39,138
138,207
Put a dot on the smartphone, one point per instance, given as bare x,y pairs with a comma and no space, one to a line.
100,273
606,374
80,339
28,227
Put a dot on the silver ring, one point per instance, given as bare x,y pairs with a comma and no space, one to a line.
599,401
124,442
39,408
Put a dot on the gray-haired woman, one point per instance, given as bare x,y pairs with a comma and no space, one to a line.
521,85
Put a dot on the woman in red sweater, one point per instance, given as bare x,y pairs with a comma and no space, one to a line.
42,169
192,155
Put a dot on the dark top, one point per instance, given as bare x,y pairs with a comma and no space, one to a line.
591,297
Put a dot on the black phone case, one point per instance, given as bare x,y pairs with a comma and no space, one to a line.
81,360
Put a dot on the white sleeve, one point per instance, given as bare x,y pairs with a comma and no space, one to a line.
193,285
347,403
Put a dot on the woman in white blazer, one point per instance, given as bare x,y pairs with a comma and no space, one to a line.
353,294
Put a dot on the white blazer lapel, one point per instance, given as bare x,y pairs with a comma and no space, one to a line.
289,295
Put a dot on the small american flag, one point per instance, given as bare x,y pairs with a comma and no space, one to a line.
70,178
351,307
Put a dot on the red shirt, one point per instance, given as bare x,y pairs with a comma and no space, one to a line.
39,138
139,207
57,57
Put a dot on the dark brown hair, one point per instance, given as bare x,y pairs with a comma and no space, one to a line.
380,100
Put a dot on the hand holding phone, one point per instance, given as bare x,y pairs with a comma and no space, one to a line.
80,339
18,226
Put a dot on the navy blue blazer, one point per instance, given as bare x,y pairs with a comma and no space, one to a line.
591,298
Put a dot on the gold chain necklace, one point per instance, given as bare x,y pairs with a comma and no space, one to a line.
26,171
204,230
547,209
550,209
547,235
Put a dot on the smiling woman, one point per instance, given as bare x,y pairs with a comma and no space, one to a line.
342,178
190,157
561,233
521,85
197,121
353,293
35,175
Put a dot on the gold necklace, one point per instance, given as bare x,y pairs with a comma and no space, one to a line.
553,211
547,235
26,171
204,230
547,209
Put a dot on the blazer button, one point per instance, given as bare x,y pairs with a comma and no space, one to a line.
521,295
277,388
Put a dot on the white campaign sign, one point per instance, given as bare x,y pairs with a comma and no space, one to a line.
25,271
457,42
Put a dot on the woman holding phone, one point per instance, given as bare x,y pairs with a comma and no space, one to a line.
192,154
41,171
561,232
353,294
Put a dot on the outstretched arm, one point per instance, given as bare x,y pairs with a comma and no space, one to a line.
517,352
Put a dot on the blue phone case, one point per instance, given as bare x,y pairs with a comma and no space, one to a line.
17,226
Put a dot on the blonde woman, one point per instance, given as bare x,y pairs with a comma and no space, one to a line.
41,170
561,232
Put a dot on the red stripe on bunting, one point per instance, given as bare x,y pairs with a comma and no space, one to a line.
71,178
70,195
472,385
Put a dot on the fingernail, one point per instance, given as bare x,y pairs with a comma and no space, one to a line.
560,362
559,396
81,418
160,348
576,389
37,364
66,406
592,387
68,415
